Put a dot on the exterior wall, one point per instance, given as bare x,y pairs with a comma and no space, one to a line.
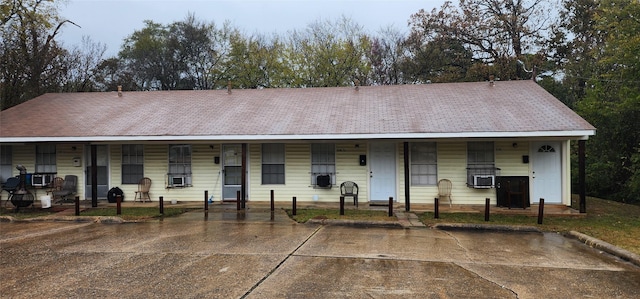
298,178
206,174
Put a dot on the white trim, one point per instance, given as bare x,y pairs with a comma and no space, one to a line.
579,135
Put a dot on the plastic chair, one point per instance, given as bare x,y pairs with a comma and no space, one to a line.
143,190
349,188
444,190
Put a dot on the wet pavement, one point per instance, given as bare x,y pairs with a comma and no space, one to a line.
256,254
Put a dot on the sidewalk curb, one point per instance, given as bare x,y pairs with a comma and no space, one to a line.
355,223
486,227
606,247
57,218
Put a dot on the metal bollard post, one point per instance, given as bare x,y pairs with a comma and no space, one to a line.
118,204
206,197
390,206
161,201
436,210
540,210
294,210
77,202
486,209
238,200
273,207
341,205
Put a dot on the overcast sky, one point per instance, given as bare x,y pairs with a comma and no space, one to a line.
110,21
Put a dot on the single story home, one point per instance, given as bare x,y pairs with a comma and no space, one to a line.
393,141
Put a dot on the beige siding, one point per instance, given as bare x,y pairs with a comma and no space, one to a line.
509,158
297,173
206,175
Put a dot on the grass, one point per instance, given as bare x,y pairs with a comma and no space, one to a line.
303,215
134,213
612,222
128,213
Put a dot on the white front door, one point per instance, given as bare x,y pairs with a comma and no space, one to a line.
546,172
382,171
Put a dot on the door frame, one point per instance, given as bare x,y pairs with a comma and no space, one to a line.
224,187
85,166
556,176
374,162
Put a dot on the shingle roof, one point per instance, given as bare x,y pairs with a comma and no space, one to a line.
509,108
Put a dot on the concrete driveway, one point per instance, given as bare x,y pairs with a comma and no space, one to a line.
248,255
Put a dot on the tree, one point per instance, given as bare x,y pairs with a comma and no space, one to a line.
495,31
30,56
254,62
150,58
328,54
81,66
612,102
386,54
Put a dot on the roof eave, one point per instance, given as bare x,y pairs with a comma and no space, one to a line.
577,135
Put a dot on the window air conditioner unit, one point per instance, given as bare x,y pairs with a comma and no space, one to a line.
323,181
41,180
177,181
483,181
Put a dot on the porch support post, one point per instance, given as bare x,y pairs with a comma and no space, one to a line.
243,186
94,175
582,177
407,178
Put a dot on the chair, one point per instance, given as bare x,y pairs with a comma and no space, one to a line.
349,188
444,190
68,189
143,190
11,185
56,185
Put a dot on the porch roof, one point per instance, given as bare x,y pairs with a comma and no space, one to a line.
444,110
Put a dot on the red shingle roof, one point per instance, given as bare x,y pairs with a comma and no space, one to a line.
462,109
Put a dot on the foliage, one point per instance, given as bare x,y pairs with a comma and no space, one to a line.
612,102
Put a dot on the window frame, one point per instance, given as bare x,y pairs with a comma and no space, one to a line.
6,162
424,163
132,171
481,159
46,158
273,164
183,160
323,162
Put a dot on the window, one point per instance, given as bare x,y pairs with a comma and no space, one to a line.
323,161
132,163
424,167
180,164
480,160
6,163
46,158
272,163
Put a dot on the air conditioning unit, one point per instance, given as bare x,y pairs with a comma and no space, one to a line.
483,181
177,181
41,180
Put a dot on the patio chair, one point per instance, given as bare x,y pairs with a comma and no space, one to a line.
69,188
349,188
444,190
143,190
11,185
